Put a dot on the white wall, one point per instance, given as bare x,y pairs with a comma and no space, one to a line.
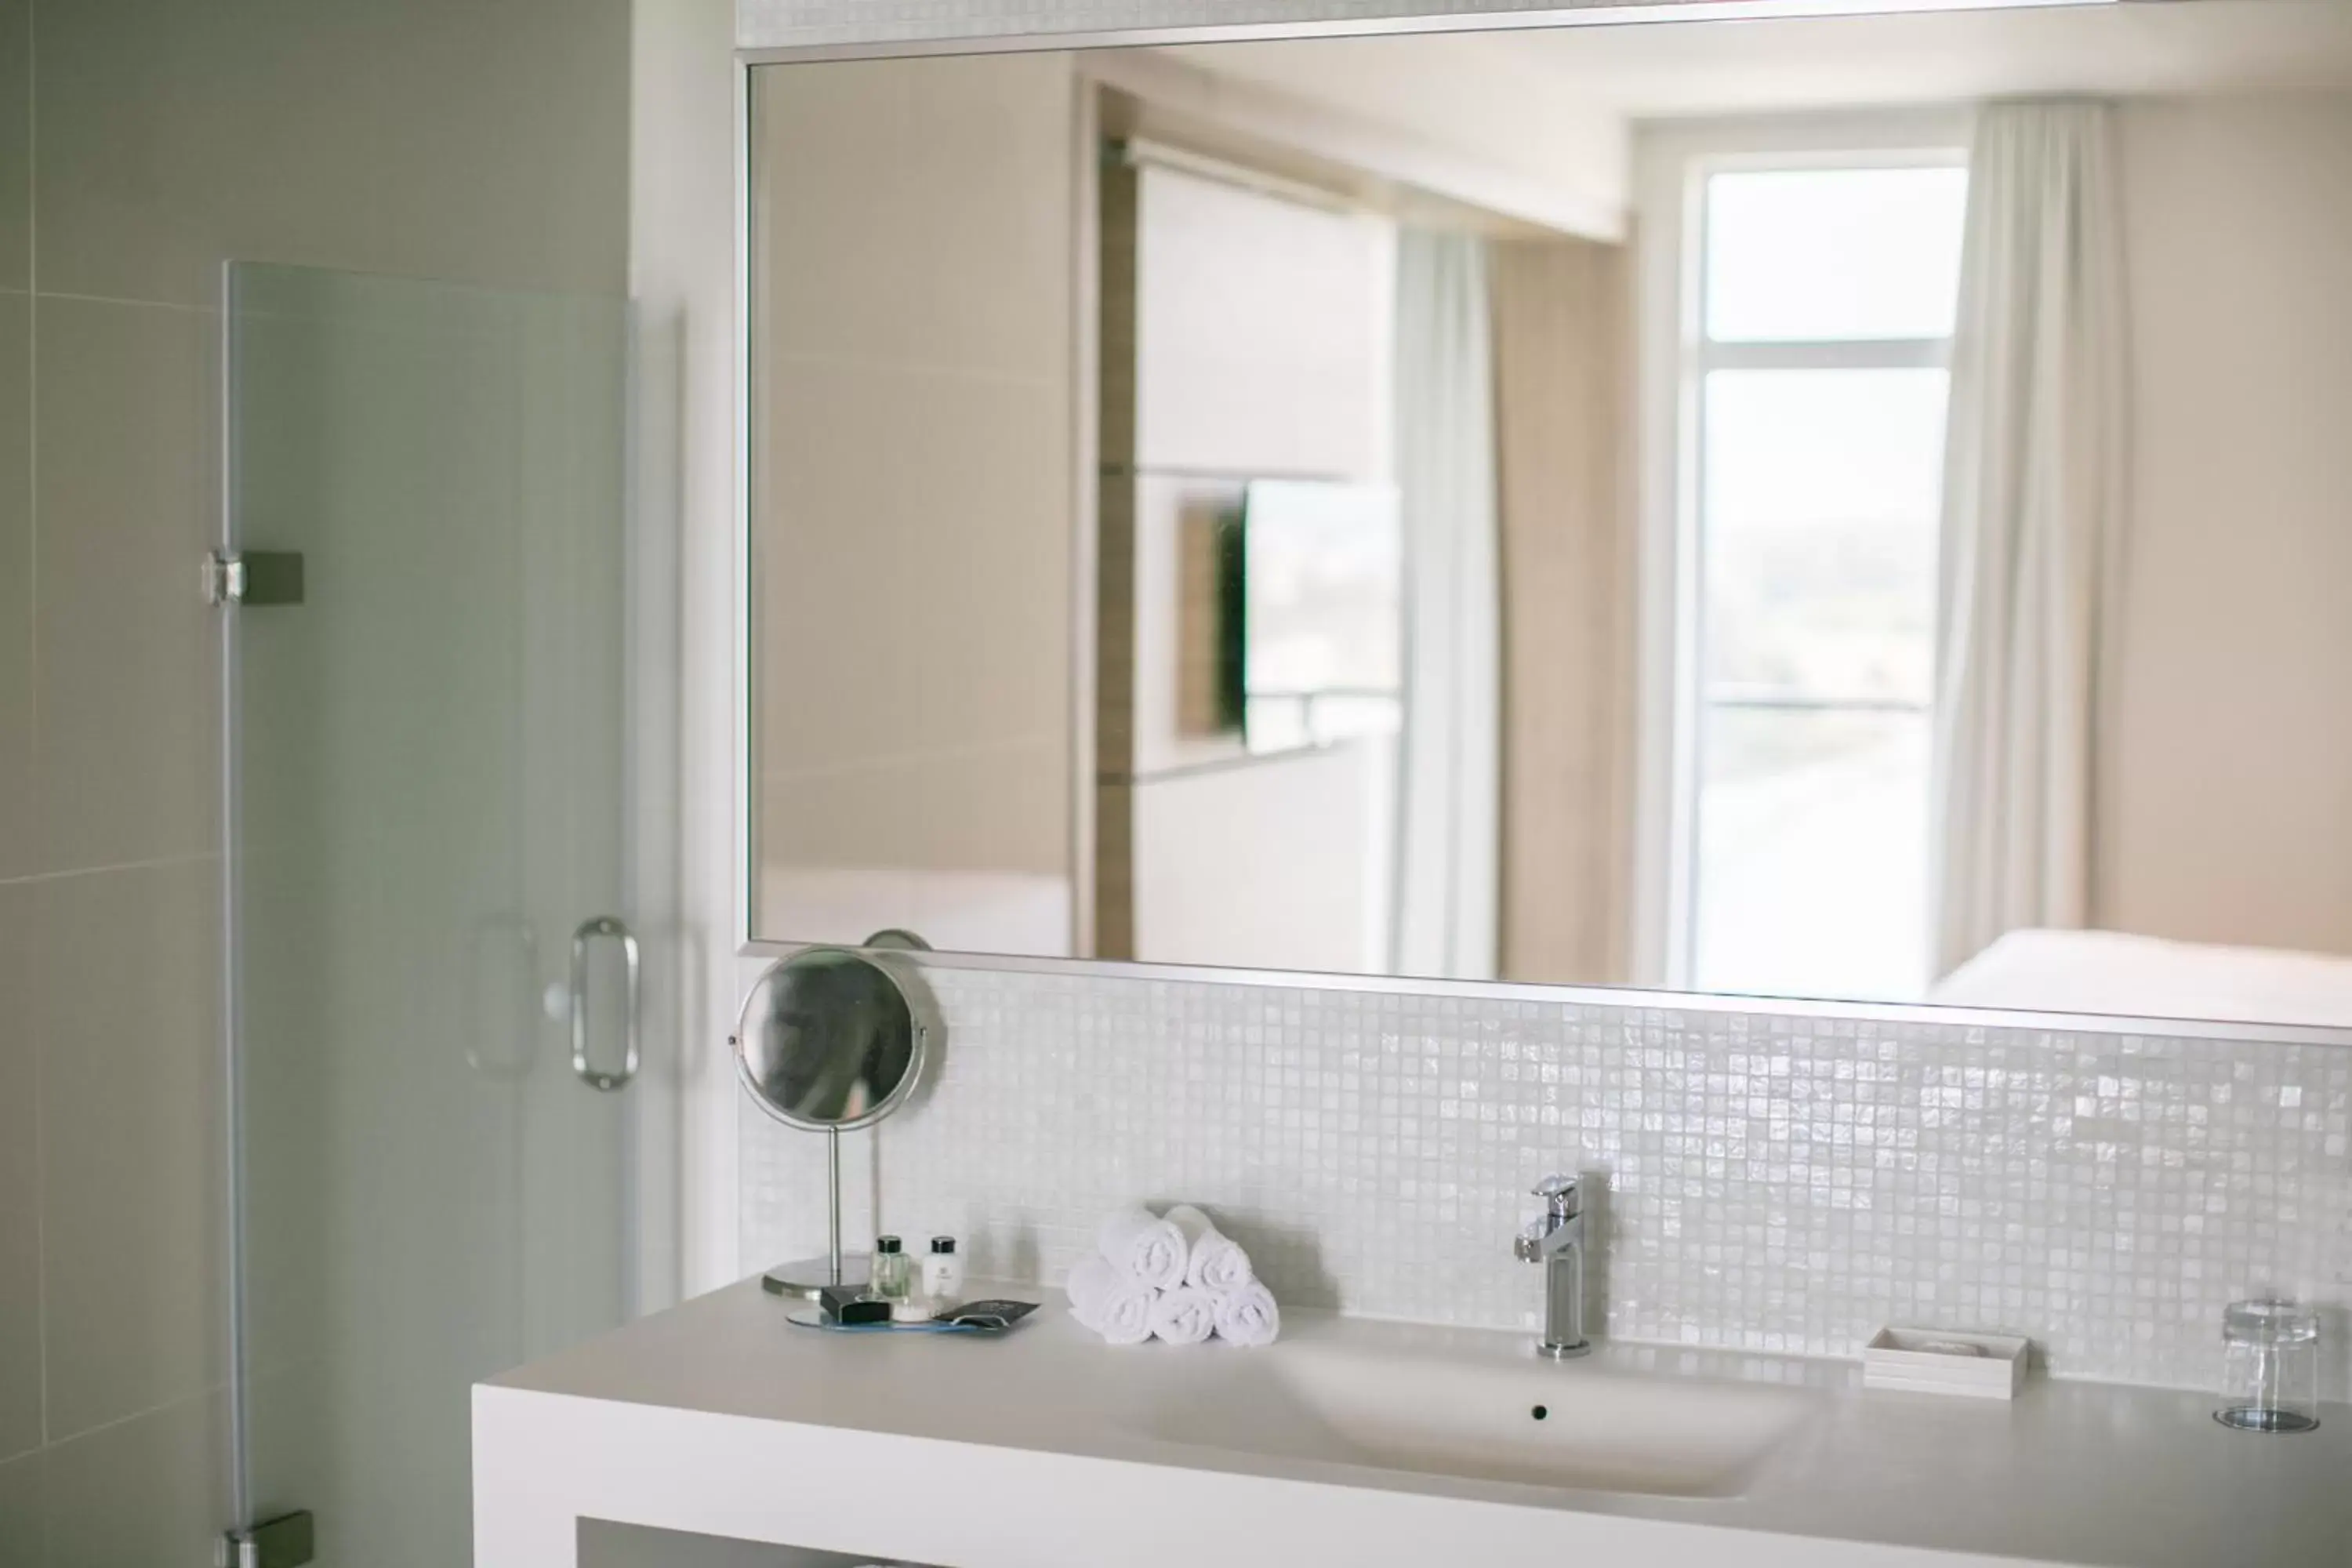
1264,333
1261,350
1283,862
1262,328
1481,119
682,273
2227,785
437,140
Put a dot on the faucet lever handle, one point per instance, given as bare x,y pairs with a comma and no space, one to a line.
1560,1193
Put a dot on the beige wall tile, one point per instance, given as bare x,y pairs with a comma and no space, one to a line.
125,697
433,138
2229,765
150,1490
1569,639
131,1168
22,1524
15,585
16,143
918,212
292,1046
438,138
914,484
962,811
20,1216
295,1456
915,569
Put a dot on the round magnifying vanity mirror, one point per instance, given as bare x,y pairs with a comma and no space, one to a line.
831,1040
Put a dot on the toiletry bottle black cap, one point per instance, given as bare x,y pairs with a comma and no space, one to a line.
943,1244
886,1244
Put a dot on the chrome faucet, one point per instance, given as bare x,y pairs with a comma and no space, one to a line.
1556,1241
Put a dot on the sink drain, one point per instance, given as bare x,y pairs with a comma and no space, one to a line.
1540,1411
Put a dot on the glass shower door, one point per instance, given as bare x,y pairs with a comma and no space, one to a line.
427,905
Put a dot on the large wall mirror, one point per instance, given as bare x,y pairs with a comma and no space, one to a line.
1847,507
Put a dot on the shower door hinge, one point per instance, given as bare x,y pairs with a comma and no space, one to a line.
254,577
285,1541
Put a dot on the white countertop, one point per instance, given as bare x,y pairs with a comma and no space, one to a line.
1035,1450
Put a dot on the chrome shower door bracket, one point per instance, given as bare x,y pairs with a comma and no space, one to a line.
242,578
289,1541
590,930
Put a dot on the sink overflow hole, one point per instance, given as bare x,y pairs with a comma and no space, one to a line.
1540,1411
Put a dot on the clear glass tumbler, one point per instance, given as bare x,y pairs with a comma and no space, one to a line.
2271,1368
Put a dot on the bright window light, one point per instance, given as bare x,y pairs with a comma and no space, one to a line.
1827,304
1833,253
1821,564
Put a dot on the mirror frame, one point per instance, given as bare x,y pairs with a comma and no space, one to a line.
770,32
801,32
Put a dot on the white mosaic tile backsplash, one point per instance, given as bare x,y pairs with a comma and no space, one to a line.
1773,1183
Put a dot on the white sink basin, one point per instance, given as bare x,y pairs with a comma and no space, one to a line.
1536,1423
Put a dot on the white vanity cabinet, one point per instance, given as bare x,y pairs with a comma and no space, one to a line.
1046,1448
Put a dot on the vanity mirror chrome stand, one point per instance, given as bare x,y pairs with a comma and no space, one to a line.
832,1039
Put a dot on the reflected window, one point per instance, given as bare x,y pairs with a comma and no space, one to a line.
1826,308
1323,621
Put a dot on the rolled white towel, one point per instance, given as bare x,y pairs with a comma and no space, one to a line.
1143,1246
1110,1303
1183,1316
1247,1316
1212,1261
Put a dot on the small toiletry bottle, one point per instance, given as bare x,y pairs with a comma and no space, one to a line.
893,1270
943,1272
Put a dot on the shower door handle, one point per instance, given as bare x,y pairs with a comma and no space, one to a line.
581,939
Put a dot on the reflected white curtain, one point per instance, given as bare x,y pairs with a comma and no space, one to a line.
1449,768
2032,522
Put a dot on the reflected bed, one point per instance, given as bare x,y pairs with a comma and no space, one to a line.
2116,972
